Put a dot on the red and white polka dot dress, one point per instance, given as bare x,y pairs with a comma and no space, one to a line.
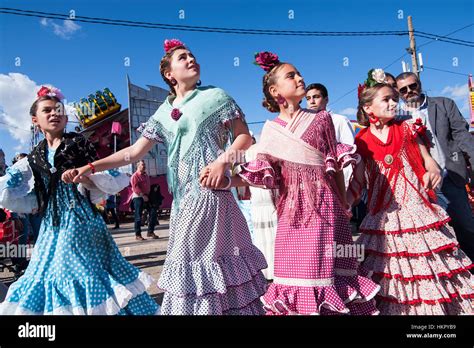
412,252
311,274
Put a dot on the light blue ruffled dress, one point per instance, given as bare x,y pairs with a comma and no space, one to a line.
76,267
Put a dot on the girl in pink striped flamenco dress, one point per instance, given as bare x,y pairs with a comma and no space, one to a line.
411,250
298,155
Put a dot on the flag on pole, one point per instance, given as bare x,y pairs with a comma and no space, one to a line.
116,128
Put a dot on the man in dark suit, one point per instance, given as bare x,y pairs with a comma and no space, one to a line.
451,143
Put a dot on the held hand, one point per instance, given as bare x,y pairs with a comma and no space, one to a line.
203,175
203,179
81,173
145,198
225,183
212,175
431,180
216,174
69,175
87,182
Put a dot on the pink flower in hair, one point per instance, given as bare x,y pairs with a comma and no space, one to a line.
169,44
266,60
50,91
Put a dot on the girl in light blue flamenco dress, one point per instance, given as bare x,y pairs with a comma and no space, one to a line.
76,267
211,267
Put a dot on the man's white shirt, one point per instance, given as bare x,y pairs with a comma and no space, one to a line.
344,134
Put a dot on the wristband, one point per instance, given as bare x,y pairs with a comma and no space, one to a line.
229,183
91,166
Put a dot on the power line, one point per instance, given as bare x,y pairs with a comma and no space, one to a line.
428,43
148,25
173,26
10,126
242,31
396,60
451,33
446,71
445,37
444,40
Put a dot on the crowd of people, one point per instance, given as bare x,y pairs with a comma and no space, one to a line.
407,167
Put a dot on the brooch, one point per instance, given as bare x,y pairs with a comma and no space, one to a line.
388,159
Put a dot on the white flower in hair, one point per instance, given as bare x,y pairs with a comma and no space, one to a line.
378,75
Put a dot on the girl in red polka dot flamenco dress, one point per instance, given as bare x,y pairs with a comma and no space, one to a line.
411,250
298,155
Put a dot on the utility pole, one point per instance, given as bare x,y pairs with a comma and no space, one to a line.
412,49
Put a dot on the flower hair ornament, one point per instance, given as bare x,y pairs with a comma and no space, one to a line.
419,130
51,92
169,44
374,76
266,60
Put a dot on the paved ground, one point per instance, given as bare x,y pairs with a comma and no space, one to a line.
148,255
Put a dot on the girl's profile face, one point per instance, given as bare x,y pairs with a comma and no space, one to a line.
289,83
384,105
50,116
184,67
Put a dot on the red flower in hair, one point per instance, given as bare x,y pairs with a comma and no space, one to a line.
50,91
360,89
43,91
266,60
169,44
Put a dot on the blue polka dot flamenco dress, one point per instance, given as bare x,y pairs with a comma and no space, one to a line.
76,267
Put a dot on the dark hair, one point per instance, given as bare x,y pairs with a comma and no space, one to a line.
391,76
269,79
319,87
19,157
367,97
406,75
165,65
34,106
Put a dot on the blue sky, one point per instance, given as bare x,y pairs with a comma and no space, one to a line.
82,58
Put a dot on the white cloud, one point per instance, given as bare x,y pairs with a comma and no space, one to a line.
64,31
17,93
460,94
348,112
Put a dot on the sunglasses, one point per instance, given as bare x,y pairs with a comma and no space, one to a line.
412,87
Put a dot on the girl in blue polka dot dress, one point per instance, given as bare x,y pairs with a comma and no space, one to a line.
76,267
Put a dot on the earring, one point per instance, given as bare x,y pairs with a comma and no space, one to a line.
173,82
374,119
280,100
198,83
